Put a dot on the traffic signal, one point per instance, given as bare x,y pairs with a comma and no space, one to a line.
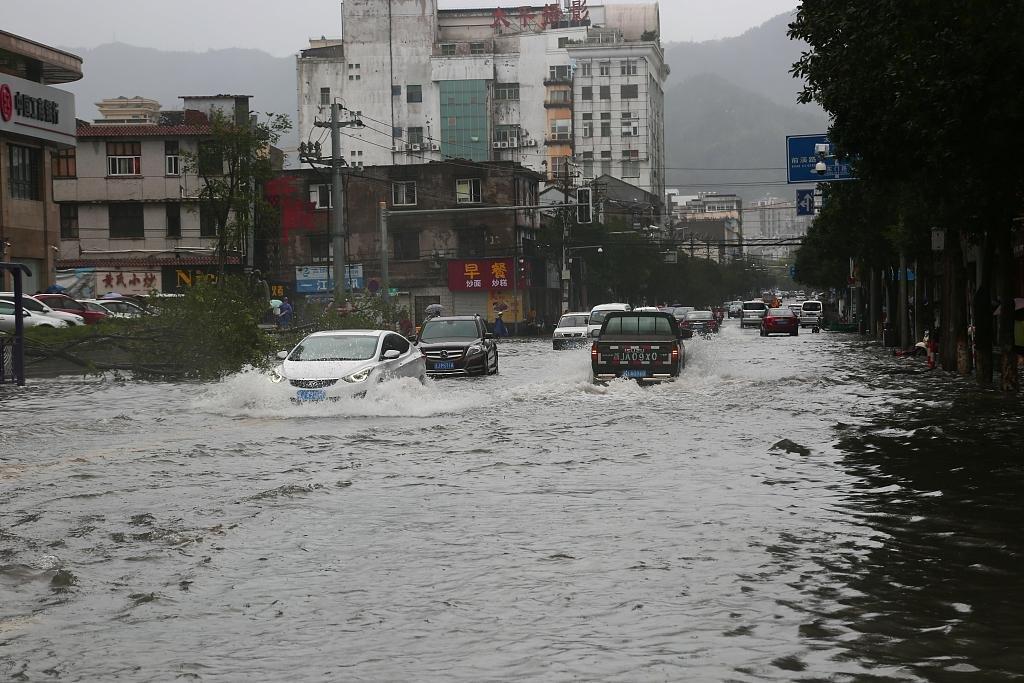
584,205
523,268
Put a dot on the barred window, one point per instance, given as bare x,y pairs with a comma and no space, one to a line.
25,172
124,158
126,221
69,221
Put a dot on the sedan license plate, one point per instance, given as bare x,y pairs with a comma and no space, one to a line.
311,395
634,374
444,365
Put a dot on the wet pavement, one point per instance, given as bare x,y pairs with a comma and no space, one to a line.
792,509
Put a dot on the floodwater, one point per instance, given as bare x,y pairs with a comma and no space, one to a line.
792,509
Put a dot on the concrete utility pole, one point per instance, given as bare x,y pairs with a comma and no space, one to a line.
338,206
566,273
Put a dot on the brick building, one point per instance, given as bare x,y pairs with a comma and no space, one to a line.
465,261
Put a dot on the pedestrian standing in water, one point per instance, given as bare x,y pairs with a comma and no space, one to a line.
499,326
284,318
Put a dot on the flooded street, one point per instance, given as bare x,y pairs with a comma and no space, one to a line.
792,509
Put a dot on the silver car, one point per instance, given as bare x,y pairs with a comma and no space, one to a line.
570,331
752,313
37,307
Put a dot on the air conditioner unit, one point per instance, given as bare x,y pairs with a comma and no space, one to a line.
513,143
398,148
529,142
408,148
434,147
495,145
503,145
415,148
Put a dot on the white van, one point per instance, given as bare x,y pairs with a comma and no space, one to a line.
598,313
810,313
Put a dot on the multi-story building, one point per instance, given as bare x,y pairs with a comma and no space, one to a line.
532,85
130,219
37,142
466,261
711,225
770,223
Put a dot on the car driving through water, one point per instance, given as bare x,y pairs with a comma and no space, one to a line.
644,346
571,331
344,363
458,345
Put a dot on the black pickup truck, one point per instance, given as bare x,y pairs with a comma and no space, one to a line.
645,346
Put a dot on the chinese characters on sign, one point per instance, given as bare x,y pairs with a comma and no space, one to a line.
552,16
482,275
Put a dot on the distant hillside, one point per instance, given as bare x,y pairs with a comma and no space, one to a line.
713,124
119,69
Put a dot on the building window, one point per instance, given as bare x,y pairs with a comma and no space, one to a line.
64,163
585,69
630,124
173,220
604,68
588,125
407,245
587,93
559,166
630,163
415,135
414,93
560,96
561,129
69,221
606,92
124,158
606,162
448,50
507,133
26,172
320,248
472,243
172,161
396,91
506,91
320,196
325,97
477,48
468,191
606,125
627,67
126,221
588,165
629,92
403,193
560,72
207,221
211,159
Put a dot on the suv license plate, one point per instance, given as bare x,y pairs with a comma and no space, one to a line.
444,365
311,395
634,374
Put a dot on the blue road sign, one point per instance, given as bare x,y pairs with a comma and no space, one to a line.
805,202
801,160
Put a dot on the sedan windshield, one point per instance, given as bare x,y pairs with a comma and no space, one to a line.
573,321
449,329
346,347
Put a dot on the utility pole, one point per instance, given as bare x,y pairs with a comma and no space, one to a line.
382,212
566,273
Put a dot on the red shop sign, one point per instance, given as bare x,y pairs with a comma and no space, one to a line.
481,275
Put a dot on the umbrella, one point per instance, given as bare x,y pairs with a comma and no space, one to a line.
275,303
55,289
434,309
112,295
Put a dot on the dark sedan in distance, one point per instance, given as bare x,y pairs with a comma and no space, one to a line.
780,321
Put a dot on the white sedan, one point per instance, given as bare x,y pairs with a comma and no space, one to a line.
39,308
29,319
344,363
571,331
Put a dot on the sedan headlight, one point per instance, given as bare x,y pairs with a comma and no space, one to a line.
357,377
474,350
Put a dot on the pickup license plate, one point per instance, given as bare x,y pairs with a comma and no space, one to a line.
444,365
634,374
311,395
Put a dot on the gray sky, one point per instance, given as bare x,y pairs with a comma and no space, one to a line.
282,28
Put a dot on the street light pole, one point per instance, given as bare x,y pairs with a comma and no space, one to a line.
338,206
385,280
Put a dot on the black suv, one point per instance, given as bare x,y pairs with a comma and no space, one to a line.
458,345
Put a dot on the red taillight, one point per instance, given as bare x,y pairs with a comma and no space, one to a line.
769,319
593,352
675,354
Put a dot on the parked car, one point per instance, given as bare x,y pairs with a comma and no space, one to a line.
570,331
598,314
29,319
810,314
63,302
458,345
752,312
645,346
700,322
344,363
115,308
36,306
780,321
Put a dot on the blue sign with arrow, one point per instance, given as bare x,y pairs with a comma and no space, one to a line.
805,202
802,155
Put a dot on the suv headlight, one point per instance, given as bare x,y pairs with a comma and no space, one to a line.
474,349
357,377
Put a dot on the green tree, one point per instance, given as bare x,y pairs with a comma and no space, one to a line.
232,164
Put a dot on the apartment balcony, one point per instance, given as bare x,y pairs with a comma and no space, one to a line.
558,80
558,104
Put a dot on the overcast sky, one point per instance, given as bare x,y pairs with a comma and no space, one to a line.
283,28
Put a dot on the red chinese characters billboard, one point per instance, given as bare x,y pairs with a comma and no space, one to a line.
482,275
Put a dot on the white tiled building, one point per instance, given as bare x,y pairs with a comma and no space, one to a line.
484,84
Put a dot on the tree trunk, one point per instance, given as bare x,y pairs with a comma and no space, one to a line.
954,314
983,314
1009,378
875,313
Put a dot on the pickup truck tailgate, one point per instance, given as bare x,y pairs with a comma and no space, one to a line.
634,359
